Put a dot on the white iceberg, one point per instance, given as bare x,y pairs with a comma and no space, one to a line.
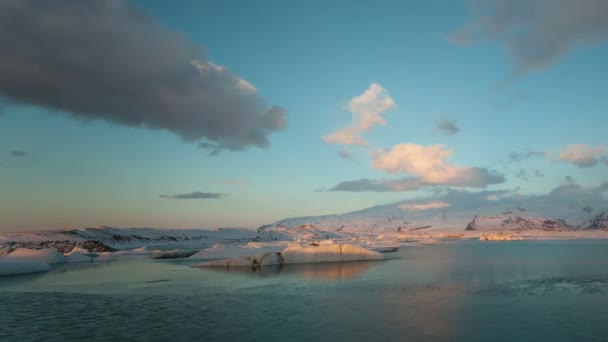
47,255
297,254
221,251
172,254
10,267
80,255
141,251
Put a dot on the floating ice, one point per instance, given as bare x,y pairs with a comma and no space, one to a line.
47,255
297,254
10,267
220,251
172,254
80,255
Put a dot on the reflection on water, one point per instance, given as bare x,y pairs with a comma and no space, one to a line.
329,271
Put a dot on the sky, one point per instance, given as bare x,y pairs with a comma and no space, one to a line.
205,114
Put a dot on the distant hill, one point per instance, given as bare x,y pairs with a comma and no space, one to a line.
420,216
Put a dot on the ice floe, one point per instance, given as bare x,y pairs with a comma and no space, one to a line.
221,251
298,254
47,255
12,267
172,254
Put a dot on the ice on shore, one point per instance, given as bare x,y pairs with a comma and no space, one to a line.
298,254
12,267
47,255
499,237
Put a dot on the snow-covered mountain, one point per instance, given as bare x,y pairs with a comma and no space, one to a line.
508,221
461,213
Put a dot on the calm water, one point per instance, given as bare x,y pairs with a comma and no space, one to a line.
457,291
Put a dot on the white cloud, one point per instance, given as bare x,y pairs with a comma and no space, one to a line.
584,156
367,110
429,163
424,206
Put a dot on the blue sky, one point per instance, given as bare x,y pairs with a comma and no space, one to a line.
70,159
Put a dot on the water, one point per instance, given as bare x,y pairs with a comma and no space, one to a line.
457,291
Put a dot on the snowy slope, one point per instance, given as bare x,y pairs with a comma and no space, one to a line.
439,218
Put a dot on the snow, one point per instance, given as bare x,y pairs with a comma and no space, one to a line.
11,267
298,254
47,255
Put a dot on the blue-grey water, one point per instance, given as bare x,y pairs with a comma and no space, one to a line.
456,291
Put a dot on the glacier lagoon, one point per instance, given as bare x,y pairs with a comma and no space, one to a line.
457,290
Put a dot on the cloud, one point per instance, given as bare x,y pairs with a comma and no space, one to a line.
367,110
429,164
525,175
18,153
584,156
196,195
447,126
382,185
516,157
109,60
522,174
344,154
536,33
424,206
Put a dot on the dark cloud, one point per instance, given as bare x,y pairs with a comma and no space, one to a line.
522,174
344,154
537,173
517,156
18,153
196,195
382,185
566,200
108,60
536,33
474,178
447,126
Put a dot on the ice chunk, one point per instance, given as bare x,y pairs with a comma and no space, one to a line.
141,251
172,254
297,254
10,267
237,251
47,255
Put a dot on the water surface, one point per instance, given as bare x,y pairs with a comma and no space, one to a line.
458,291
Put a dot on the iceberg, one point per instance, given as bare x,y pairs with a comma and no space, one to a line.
222,251
10,267
297,254
172,254
47,255
78,254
